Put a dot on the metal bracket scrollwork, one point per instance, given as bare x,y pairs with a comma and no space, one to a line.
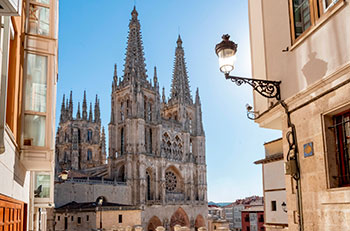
266,88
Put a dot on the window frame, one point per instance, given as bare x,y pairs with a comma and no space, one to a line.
331,147
51,22
48,111
318,15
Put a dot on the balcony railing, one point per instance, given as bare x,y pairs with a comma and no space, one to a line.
174,197
94,180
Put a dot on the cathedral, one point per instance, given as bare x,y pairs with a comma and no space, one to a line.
156,145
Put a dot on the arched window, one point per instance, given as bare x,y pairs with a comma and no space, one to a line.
145,109
65,157
66,137
148,180
89,136
122,141
150,140
190,145
190,125
128,108
122,111
89,154
149,112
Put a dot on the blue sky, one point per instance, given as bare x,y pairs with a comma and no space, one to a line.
93,36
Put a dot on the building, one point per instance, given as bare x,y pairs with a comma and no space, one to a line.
156,159
92,216
80,142
304,44
216,211
274,186
28,65
229,214
253,219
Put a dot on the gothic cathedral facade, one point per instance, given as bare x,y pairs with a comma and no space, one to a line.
156,144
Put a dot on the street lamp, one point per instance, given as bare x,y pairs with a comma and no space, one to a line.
226,51
100,202
284,206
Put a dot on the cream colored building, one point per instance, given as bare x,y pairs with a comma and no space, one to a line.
275,207
305,44
28,64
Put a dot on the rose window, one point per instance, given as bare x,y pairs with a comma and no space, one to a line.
170,181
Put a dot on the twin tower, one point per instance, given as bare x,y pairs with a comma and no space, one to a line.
156,144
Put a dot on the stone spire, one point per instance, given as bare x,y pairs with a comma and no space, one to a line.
63,110
115,76
198,100
70,108
180,87
199,122
155,77
135,61
90,113
78,112
103,145
163,95
84,107
97,110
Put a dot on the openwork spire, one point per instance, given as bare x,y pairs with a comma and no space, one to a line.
135,61
180,87
84,107
97,110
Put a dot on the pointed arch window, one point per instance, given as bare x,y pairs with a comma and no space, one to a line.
190,145
122,111
149,112
122,141
148,181
89,136
128,108
145,109
150,140
89,154
190,125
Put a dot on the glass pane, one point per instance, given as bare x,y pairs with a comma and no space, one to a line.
35,96
302,19
39,20
328,3
34,130
42,185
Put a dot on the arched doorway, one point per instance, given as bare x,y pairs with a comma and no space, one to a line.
153,223
179,218
199,222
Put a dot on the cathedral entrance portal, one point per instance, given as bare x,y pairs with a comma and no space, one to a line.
153,223
199,222
179,218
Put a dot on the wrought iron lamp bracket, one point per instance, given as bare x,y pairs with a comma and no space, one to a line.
267,88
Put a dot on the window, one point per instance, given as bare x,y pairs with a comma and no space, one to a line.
39,17
72,218
248,228
149,112
89,154
42,185
35,100
89,136
305,13
122,111
87,217
145,109
338,148
66,223
246,218
122,141
261,218
148,179
58,218
150,141
120,218
170,181
273,206
79,220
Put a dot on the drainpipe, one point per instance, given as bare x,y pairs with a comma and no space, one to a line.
293,163
3,83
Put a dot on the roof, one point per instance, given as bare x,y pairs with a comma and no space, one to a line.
270,158
272,141
92,205
259,208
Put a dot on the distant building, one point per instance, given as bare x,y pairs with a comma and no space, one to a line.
228,211
276,217
253,218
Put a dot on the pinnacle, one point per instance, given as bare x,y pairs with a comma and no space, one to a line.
179,41
134,13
